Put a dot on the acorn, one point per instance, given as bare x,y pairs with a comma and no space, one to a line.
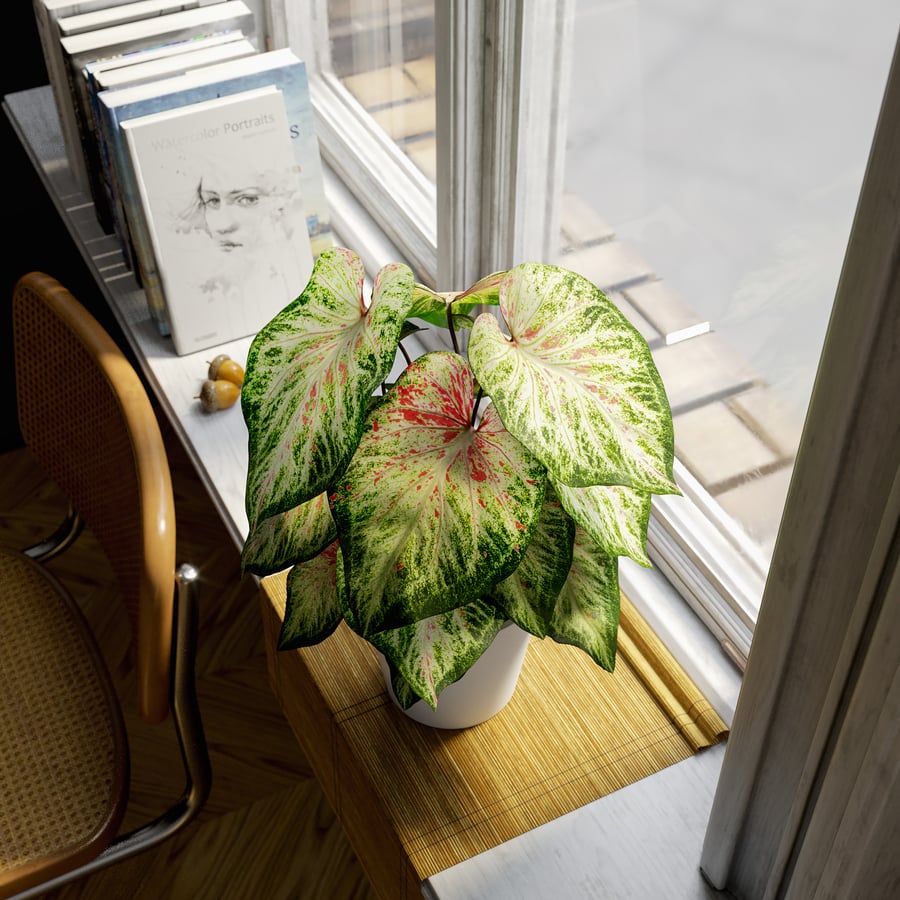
225,368
217,393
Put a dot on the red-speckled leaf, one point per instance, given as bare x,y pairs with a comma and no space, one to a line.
528,596
615,517
575,382
430,509
436,651
289,537
587,609
313,608
310,373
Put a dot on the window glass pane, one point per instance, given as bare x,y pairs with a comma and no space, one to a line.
714,159
383,53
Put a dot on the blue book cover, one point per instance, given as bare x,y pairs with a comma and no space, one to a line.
279,68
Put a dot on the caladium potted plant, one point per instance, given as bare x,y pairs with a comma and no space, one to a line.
497,482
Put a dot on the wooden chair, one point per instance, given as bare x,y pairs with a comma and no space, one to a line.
64,763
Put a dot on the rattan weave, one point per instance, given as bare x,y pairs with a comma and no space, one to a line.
62,752
106,453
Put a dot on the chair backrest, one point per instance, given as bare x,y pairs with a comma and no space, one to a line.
86,417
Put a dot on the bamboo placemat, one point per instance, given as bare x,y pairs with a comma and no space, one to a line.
415,800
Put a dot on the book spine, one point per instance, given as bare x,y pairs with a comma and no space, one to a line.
54,60
139,235
90,151
118,214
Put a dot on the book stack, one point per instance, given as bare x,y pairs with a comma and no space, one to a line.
199,153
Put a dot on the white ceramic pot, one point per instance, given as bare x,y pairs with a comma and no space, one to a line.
482,692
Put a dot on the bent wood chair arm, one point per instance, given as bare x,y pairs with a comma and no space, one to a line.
191,738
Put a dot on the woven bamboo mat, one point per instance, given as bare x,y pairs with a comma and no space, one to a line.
415,800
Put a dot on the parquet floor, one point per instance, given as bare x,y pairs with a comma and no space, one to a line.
267,832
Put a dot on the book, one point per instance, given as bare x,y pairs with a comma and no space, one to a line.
190,54
108,64
80,49
220,191
152,64
281,68
46,13
119,14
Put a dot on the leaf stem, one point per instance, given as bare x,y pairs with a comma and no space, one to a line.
478,397
452,329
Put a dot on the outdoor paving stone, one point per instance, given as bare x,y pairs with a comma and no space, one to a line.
772,417
758,505
580,224
702,369
665,307
379,86
648,332
403,120
422,73
423,152
610,265
717,446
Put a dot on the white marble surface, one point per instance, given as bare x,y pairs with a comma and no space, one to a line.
641,842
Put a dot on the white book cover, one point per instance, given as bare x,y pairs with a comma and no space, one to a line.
108,64
220,189
175,64
123,12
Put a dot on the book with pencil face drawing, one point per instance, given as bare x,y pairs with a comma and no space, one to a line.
85,46
139,67
280,68
219,186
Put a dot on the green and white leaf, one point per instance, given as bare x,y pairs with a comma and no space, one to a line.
587,609
289,537
431,509
615,517
435,652
309,376
313,608
575,382
528,596
431,306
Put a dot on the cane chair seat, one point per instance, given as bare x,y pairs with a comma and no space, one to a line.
63,752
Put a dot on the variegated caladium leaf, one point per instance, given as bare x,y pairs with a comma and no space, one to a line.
432,509
528,596
435,652
313,608
587,609
431,306
575,382
309,376
615,517
289,537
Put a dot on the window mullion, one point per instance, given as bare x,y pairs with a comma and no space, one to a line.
502,99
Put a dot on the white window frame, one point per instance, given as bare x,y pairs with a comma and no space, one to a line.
481,216
808,800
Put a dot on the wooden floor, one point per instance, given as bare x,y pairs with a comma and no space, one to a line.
267,831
